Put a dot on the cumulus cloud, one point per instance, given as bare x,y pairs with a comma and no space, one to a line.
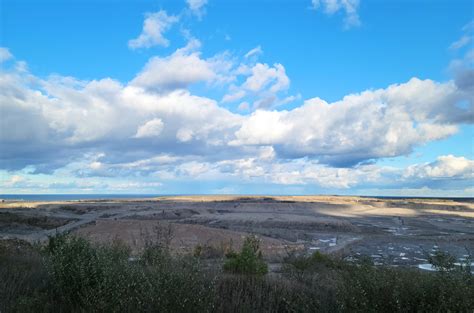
154,27
181,69
151,128
73,117
197,7
175,72
5,54
373,124
53,121
264,75
155,127
262,82
445,167
349,7
234,96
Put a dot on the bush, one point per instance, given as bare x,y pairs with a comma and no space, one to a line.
300,266
92,278
22,275
82,277
249,261
442,261
72,275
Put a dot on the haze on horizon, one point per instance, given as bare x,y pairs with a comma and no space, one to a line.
236,97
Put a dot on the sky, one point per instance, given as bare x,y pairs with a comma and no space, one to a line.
350,97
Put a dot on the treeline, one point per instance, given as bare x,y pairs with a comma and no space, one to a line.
70,274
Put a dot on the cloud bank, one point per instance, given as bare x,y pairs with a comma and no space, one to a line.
161,127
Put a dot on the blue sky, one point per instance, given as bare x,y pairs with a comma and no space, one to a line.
280,97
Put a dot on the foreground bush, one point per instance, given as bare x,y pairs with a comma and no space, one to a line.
80,277
72,275
362,287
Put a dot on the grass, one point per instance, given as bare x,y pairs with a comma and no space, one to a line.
70,274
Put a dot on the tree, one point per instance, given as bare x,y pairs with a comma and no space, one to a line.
249,261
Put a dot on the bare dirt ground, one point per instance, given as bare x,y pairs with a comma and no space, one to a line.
399,232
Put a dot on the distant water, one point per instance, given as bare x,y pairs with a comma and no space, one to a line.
68,197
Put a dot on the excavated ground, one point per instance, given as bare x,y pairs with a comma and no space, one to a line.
401,232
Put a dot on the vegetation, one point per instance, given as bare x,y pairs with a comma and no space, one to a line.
249,261
7,219
70,274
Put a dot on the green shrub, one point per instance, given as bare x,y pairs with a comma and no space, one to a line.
299,266
442,261
91,278
249,261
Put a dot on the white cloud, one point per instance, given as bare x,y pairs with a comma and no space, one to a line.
267,153
182,68
264,75
127,186
466,38
266,169
83,112
197,7
184,134
308,172
469,26
5,54
96,165
349,7
154,26
64,120
262,128
66,113
461,42
447,166
263,84
254,52
12,181
152,128
290,99
424,191
193,169
151,163
234,96
243,106
373,124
